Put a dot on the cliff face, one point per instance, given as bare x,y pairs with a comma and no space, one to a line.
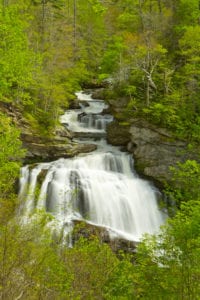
41,149
154,149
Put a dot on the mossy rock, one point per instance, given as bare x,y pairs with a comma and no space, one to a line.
118,135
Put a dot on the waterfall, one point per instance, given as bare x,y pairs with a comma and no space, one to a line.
101,188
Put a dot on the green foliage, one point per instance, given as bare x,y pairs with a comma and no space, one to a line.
30,265
186,13
120,284
91,264
111,59
45,52
190,41
159,56
186,177
149,46
167,265
89,34
163,268
10,156
48,49
130,91
16,59
163,114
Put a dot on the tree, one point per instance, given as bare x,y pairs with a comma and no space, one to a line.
10,161
167,265
16,59
30,264
185,181
189,48
148,55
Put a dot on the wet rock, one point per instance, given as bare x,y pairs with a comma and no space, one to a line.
85,148
74,104
81,115
84,103
88,231
118,135
48,149
94,135
106,111
64,132
118,103
98,94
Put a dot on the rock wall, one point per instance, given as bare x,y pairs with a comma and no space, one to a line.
117,134
40,149
154,149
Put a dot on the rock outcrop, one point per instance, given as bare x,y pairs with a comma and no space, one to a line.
98,93
89,231
118,135
40,148
47,149
153,148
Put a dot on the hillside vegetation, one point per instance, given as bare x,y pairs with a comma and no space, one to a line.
149,52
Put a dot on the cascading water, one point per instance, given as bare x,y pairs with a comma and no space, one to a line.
100,188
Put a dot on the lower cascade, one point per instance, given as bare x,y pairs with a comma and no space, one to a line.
100,188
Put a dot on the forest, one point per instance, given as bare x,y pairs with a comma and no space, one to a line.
144,51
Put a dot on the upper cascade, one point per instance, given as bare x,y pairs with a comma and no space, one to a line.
88,118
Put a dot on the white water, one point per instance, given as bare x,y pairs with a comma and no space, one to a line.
100,188
89,116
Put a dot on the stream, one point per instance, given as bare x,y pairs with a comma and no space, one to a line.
101,188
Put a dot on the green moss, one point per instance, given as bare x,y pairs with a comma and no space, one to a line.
125,123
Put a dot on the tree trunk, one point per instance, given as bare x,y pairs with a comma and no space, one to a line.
167,81
74,25
43,24
150,6
141,15
4,4
159,6
148,93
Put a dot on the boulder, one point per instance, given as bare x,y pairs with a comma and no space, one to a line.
106,111
118,103
83,229
74,104
118,135
63,132
48,149
155,150
98,94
